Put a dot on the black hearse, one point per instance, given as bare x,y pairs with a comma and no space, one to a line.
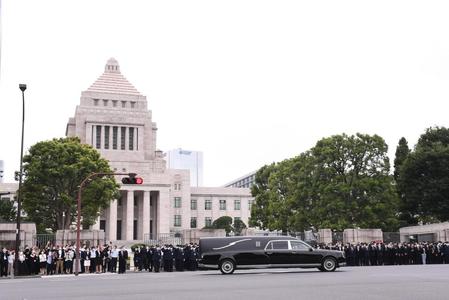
249,252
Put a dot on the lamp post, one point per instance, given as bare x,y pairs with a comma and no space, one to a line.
78,217
22,87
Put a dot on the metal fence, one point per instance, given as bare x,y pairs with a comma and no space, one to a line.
391,237
337,237
42,240
164,238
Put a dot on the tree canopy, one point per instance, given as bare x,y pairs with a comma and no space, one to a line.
424,178
53,171
342,182
8,213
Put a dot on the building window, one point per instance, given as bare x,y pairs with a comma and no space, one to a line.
222,204
105,102
250,204
114,137
119,202
177,186
177,220
131,138
193,204
208,204
122,138
177,202
106,137
133,104
236,204
193,222
96,102
114,103
123,104
207,222
98,137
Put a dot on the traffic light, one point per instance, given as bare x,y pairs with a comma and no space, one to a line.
132,180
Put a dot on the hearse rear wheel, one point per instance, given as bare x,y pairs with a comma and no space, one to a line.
329,264
227,266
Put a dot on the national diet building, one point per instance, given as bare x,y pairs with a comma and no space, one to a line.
113,117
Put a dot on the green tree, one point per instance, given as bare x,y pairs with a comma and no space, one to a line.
259,190
424,178
402,151
53,172
342,182
238,226
8,212
223,222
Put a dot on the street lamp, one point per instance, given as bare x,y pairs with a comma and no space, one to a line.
78,219
22,87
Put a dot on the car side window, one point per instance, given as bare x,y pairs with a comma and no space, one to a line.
298,246
269,246
280,245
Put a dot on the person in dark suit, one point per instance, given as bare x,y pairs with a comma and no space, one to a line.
156,258
150,251
179,258
122,257
4,262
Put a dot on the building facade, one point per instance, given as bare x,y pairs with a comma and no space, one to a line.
187,160
243,182
113,117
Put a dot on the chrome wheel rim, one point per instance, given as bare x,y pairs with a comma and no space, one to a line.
227,267
329,264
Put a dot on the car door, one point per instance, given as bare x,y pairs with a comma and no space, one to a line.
303,253
278,253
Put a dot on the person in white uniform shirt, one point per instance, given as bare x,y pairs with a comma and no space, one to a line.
114,257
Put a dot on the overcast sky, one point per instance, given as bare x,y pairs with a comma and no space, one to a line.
246,82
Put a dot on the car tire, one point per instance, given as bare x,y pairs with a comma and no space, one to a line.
329,264
227,266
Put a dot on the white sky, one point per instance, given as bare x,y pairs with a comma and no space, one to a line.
246,82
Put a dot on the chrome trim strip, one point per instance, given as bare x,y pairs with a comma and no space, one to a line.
208,266
231,244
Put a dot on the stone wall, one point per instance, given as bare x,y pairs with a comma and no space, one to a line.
438,232
8,234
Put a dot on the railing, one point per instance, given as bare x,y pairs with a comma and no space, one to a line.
42,240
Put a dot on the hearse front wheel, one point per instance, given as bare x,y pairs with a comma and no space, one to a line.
227,266
329,264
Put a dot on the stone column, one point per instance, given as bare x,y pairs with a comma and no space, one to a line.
146,214
111,222
129,216
163,212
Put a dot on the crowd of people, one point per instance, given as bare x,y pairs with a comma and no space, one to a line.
108,258
379,253
100,259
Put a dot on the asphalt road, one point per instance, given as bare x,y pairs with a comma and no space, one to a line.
385,282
